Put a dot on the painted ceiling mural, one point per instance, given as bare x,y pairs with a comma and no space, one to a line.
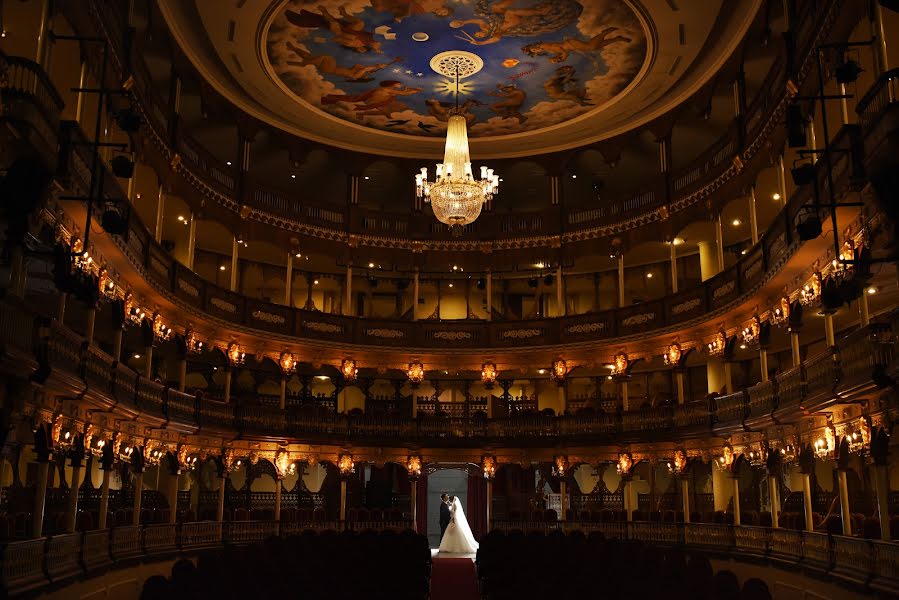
368,61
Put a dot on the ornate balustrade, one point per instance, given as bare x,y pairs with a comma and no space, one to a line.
857,361
279,206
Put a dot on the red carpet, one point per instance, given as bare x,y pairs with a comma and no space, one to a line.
454,579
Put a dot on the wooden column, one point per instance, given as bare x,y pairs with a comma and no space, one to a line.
104,499
844,502
138,493
774,496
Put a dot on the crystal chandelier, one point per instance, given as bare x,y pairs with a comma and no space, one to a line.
455,195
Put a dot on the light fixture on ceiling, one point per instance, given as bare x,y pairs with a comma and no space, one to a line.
228,163
221,267
872,290
736,222
775,196
649,275
456,196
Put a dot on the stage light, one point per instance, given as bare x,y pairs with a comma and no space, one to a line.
122,166
803,174
809,228
848,72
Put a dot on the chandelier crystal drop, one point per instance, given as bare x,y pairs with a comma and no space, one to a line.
456,197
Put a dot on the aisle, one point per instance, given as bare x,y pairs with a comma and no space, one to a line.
454,579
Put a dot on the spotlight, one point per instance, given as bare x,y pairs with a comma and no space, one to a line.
736,222
809,228
122,167
128,120
796,137
803,174
481,284
649,275
114,220
775,196
871,290
532,282
549,280
848,72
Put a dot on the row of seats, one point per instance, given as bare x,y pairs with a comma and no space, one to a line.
312,566
513,565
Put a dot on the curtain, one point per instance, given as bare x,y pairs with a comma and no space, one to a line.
476,511
421,522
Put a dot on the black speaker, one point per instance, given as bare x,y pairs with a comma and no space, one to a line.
809,228
796,137
803,174
122,167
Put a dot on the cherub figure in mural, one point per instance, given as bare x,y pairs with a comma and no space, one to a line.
401,9
325,63
510,106
381,100
563,85
442,110
501,18
348,31
559,51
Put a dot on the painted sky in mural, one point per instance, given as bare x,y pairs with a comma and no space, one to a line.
545,61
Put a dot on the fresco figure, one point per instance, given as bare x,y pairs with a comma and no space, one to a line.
563,85
559,51
510,106
326,63
499,19
381,100
348,31
442,110
401,9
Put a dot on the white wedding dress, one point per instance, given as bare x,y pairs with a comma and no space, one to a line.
458,538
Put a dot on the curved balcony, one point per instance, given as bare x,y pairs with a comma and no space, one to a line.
62,358
866,565
715,296
669,201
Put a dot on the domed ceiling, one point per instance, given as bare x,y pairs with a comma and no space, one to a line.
539,63
540,75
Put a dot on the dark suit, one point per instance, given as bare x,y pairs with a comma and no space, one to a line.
444,517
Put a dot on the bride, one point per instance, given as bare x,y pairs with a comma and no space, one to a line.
458,538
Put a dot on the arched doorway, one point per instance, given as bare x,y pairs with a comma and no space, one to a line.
464,481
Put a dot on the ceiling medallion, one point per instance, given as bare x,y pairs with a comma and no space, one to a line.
456,196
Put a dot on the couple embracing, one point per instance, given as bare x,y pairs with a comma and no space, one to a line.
455,534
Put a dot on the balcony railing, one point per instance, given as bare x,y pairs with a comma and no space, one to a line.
693,182
30,565
868,352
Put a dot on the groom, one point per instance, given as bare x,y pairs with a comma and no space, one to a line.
444,514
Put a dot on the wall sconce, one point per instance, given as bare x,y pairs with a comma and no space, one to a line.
288,363
750,333
413,465
235,356
619,366
811,292
560,465
672,355
625,463
107,285
679,463
345,464
559,371
488,374
758,458
717,345
726,460
780,314
488,465
348,370
132,311
282,463
192,343
161,331
415,372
